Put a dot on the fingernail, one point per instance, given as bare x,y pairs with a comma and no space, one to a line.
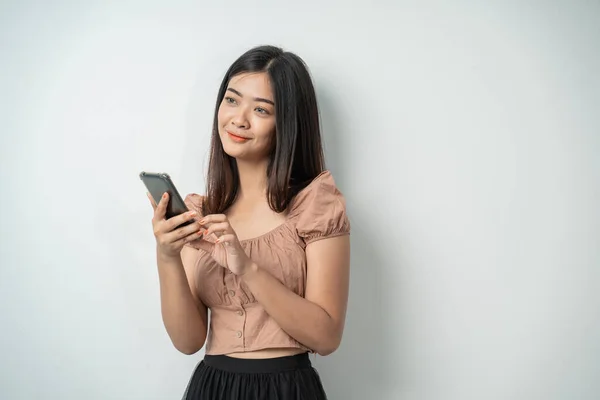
192,213
165,195
202,221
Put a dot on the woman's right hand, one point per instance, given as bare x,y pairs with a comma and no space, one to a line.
170,239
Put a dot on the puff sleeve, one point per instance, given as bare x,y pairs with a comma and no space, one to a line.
322,211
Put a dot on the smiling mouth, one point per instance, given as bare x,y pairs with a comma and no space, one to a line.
237,138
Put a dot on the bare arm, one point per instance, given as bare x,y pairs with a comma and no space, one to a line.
317,321
184,315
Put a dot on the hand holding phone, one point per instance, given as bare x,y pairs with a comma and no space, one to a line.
173,233
173,224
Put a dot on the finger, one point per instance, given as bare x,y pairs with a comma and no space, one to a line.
213,218
197,234
177,220
152,202
161,209
198,242
189,237
181,233
219,229
227,239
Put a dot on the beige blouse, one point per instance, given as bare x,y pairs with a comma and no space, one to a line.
238,323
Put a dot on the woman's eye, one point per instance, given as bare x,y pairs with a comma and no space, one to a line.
261,110
230,100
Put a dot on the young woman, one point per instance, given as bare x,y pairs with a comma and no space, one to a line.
268,250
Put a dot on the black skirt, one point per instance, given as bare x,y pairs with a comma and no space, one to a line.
228,378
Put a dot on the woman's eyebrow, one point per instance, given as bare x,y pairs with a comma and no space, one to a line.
255,99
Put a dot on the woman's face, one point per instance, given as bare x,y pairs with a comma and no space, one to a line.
246,117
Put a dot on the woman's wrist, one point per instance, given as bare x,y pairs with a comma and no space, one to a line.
163,258
250,270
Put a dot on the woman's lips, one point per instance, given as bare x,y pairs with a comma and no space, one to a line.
236,138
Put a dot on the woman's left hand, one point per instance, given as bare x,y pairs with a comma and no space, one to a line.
227,250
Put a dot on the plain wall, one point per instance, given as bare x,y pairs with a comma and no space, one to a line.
464,135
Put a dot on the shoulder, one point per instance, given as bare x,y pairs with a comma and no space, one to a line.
194,202
320,209
322,184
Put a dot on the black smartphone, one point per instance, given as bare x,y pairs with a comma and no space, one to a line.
157,184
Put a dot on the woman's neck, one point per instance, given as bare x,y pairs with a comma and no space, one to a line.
253,179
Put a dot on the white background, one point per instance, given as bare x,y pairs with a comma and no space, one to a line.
465,136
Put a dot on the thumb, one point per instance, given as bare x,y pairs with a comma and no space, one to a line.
202,244
229,240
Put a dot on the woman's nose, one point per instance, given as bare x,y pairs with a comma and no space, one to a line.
240,120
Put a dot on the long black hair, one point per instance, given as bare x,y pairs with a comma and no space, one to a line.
297,157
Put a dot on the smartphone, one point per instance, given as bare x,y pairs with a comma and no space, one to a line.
159,183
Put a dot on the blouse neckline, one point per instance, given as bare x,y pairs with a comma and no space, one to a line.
292,206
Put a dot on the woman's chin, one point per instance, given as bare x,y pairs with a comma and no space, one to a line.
235,153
